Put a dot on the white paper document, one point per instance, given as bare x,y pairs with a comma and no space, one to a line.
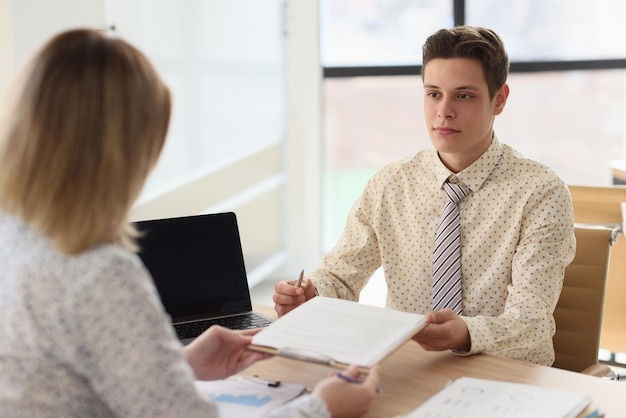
339,332
469,397
238,397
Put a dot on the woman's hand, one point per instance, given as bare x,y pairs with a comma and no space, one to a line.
348,399
220,352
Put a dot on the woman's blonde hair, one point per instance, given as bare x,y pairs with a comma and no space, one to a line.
87,124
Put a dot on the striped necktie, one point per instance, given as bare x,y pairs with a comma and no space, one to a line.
447,287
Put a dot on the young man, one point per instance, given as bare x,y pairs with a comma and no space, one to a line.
516,220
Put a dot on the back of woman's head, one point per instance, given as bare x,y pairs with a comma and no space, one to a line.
87,123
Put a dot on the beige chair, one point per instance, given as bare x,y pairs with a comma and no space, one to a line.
578,313
601,205
598,205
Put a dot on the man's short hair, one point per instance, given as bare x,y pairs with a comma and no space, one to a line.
472,42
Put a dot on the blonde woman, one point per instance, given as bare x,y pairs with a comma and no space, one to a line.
82,329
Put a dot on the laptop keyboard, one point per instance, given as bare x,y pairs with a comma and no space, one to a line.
248,321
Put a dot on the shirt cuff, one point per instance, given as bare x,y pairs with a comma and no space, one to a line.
479,336
460,353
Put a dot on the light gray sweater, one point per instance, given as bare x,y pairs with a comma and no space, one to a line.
87,336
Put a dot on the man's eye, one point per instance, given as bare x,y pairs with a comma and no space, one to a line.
464,96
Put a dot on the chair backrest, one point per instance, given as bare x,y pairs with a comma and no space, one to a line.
578,313
597,205
602,205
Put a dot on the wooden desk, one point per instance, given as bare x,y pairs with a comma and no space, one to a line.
411,375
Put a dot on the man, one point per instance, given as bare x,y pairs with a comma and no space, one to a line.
516,218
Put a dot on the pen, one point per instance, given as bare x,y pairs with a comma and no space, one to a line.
299,282
257,379
352,380
347,378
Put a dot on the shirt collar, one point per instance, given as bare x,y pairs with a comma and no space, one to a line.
475,175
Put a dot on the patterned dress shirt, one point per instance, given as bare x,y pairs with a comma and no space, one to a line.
87,336
517,237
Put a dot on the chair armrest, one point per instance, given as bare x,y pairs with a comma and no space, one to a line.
601,370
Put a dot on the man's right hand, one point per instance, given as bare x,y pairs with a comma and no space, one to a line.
288,296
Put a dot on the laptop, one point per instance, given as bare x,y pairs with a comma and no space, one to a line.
198,268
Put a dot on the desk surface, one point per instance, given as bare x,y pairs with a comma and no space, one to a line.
411,375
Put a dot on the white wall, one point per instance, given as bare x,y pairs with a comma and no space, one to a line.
26,24
6,47
34,21
304,115
291,196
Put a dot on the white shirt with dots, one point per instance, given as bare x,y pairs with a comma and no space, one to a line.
517,237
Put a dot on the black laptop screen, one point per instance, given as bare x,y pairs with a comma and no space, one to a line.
197,265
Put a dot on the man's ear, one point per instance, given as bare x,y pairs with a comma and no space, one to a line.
500,99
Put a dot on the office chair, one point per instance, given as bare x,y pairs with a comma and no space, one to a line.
598,205
602,206
578,313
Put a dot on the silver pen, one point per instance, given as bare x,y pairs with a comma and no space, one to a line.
299,282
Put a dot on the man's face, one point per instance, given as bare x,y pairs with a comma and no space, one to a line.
459,113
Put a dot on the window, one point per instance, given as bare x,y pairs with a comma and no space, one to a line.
369,32
567,107
224,62
225,69
554,30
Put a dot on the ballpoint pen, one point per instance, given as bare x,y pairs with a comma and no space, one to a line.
257,379
352,380
299,282
347,378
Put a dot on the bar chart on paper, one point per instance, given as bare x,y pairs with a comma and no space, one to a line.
253,401
247,397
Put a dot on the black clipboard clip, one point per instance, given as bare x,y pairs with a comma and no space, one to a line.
257,379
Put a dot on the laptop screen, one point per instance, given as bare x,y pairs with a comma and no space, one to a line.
197,265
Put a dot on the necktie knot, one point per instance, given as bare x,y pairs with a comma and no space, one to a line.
455,192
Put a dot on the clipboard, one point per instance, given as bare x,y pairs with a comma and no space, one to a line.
337,333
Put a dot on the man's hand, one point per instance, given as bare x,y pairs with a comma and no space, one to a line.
445,331
288,296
